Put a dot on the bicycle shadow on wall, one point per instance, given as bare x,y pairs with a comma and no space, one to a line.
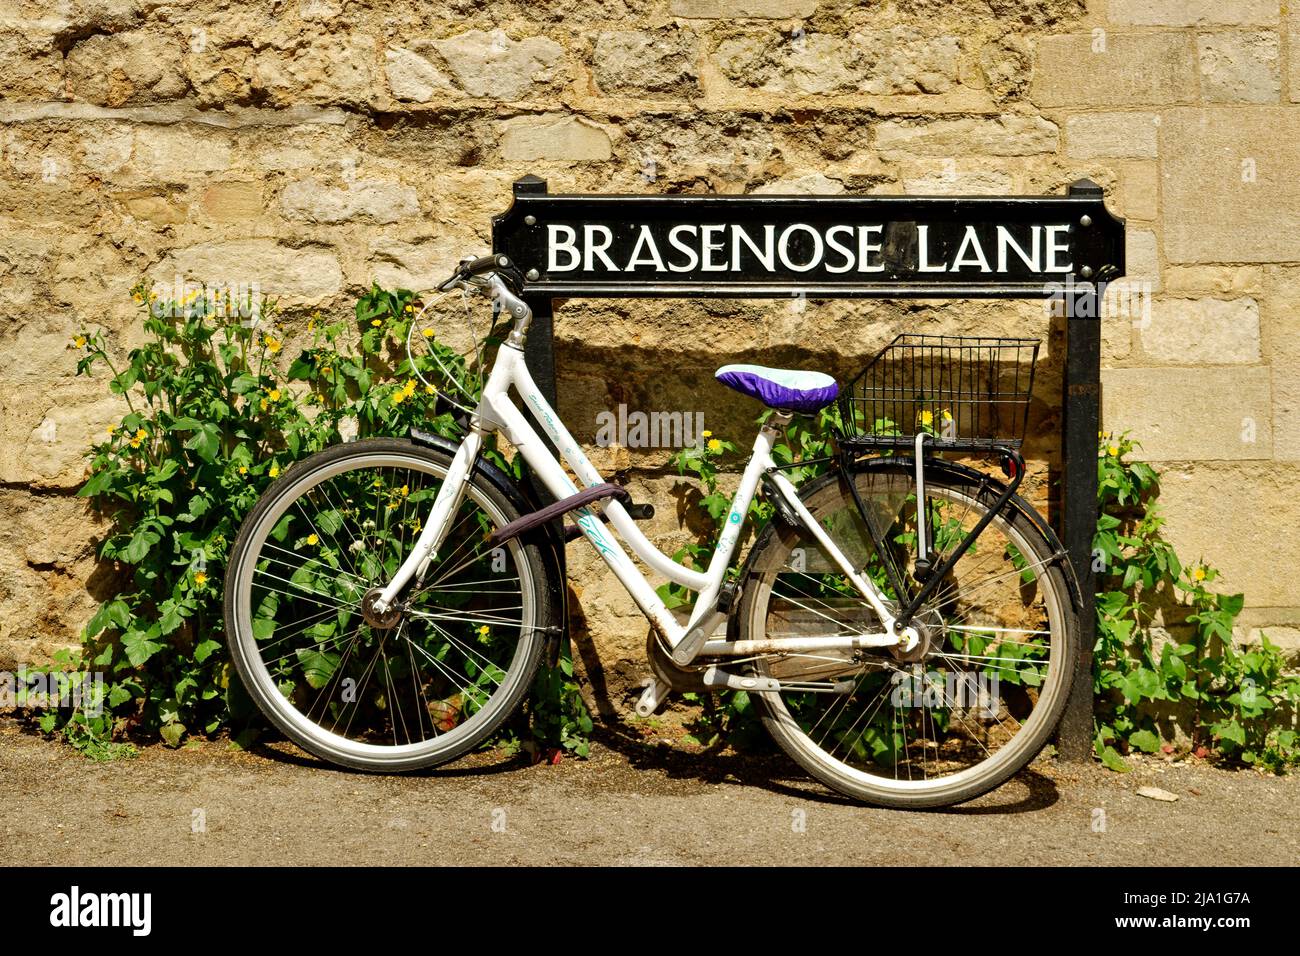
770,770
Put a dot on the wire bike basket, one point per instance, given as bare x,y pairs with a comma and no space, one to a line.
966,392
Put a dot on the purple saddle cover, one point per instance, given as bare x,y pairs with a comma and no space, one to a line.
788,389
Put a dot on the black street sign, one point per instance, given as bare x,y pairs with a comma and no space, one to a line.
818,246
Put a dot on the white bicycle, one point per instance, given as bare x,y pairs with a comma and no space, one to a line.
388,601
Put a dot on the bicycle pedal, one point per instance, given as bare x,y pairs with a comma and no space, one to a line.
654,695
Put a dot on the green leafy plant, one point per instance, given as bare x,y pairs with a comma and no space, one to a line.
213,416
1165,655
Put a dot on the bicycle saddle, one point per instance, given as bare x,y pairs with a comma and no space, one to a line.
792,390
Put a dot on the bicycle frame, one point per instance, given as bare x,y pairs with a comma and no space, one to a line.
497,412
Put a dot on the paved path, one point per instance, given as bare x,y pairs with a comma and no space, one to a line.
634,805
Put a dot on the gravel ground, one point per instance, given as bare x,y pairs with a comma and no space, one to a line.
631,804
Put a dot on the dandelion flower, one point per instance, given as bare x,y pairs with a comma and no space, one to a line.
312,540
1199,574
927,417
112,429
273,345
79,341
376,323
483,630
1113,451
706,433
200,579
427,333
715,446
243,469
275,471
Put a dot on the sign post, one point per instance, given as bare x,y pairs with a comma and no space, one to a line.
916,247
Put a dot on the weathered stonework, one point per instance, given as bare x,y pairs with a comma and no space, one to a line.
314,147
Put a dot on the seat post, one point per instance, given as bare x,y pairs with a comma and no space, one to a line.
777,422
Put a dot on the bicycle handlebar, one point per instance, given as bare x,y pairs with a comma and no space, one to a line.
483,265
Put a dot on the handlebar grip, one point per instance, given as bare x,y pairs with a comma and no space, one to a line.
476,267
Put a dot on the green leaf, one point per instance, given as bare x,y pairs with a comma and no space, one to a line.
204,649
1144,740
1111,759
139,647
140,545
206,442
172,734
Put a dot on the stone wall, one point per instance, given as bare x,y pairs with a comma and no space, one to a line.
314,145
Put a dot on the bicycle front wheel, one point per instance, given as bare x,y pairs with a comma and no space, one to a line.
975,702
419,685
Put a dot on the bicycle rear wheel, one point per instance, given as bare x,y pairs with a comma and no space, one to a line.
419,685
966,710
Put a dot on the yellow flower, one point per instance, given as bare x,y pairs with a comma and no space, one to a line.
274,395
79,341
927,417
947,415
243,469
706,433
137,296
272,345
483,630
200,578
405,491
1199,574
138,438
376,323
275,471
399,396
326,370
1113,451
715,445
112,429
427,333
263,403
312,539
431,390
410,308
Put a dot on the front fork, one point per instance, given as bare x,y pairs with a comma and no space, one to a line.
448,499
